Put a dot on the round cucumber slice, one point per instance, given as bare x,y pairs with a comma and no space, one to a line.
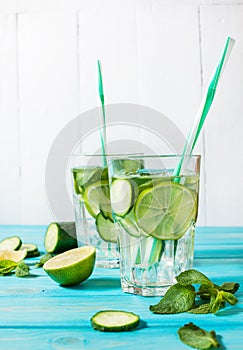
166,211
106,229
122,196
11,243
126,165
114,321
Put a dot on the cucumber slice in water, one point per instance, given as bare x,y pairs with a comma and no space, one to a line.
11,243
106,229
122,196
60,237
126,165
85,176
114,321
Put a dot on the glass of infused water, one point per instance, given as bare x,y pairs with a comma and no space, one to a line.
155,213
91,197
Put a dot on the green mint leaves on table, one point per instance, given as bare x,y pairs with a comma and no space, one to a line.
182,296
196,337
177,299
44,259
8,266
22,270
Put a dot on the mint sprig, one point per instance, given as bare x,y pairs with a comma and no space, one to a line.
177,299
43,259
197,338
183,297
8,266
22,270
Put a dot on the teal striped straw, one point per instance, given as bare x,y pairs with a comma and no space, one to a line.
102,120
202,113
205,105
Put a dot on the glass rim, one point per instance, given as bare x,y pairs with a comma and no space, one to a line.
106,155
136,155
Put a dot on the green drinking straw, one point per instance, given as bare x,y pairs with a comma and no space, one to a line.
201,115
102,123
205,105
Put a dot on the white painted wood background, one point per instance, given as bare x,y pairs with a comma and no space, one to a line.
155,53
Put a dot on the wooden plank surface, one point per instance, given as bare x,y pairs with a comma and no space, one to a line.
224,198
36,313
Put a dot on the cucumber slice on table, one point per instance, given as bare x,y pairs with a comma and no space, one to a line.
32,249
106,228
114,321
122,196
11,243
60,237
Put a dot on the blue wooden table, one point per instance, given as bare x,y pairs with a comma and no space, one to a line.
36,313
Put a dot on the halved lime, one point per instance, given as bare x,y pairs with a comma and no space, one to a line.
71,267
97,198
166,211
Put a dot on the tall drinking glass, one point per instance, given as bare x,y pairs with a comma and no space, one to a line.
155,213
93,215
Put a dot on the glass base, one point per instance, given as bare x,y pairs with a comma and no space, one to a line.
145,291
107,263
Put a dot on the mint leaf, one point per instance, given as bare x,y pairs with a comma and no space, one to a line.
7,266
230,287
201,309
177,299
22,270
197,338
44,259
189,277
229,297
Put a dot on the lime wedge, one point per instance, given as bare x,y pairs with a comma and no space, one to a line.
97,198
71,267
166,211
13,255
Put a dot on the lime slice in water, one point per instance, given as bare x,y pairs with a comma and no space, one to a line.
97,198
166,211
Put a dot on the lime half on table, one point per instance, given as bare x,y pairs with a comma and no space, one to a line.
166,211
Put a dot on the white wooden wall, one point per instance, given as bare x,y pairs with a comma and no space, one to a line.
153,52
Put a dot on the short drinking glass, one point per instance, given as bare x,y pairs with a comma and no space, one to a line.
155,213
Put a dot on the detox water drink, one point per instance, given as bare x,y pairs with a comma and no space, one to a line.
93,214
155,213
94,223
